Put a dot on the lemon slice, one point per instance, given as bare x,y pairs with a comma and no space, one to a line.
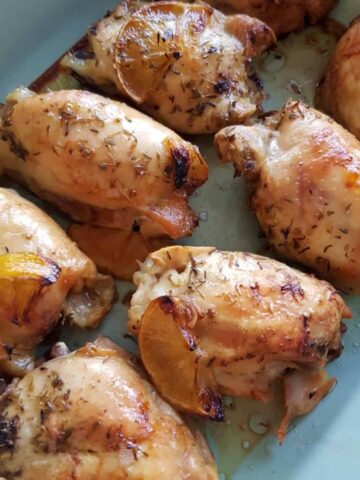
174,361
27,266
22,277
152,40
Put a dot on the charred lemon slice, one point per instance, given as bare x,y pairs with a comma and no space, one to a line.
151,41
22,277
174,361
27,265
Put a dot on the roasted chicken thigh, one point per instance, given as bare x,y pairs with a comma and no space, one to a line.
283,16
186,65
304,174
212,323
42,275
125,177
339,91
91,415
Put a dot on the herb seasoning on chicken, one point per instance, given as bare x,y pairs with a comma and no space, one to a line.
186,65
123,176
43,275
91,415
304,172
339,91
283,16
234,323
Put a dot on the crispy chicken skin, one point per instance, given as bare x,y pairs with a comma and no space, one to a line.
91,415
101,162
186,65
42,274
283,16
253,321
304,172
339,91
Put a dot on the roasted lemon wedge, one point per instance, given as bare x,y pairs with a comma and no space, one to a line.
169,351
22,277
142,59
24,308
26,265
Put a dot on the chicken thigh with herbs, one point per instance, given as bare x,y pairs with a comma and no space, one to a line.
339,91
91,415
234,323
186,65
304,173
283,16
43,275
125,177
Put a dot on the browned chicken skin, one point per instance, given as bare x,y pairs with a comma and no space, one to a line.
339,91
252,321
186,65
304,172
91,415
104,164
283,16
42,275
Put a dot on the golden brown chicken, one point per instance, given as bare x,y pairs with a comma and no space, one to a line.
43,275
212,323
125,177
304,171
186,65
339,91
283,16
91,415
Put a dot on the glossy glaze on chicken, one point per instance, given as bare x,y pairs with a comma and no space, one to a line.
339,91
91,415
304,171
104,164
43,275
186,65
283,16
252,321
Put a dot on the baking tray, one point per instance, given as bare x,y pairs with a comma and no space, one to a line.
325,443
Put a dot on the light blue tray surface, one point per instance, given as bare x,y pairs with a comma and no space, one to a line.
326,443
